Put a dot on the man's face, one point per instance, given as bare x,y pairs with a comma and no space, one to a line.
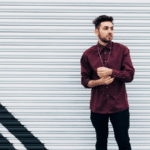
106,32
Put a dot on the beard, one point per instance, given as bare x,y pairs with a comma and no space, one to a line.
104,39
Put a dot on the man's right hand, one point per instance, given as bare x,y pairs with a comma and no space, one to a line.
106,80
102,81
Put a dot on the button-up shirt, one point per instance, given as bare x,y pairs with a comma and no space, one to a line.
110,98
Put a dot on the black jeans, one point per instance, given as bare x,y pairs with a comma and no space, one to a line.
120,123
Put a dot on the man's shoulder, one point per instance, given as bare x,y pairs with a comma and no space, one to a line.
120,45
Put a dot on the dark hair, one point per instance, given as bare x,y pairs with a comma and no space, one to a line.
100,19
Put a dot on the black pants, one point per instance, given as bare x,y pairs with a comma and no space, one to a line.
120,123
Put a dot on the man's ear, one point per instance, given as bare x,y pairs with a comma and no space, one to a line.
96,32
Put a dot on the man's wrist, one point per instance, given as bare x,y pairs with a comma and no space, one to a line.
100,82
111,70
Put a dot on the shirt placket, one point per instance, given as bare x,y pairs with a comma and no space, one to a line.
105,59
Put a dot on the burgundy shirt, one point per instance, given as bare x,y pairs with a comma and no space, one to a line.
110,98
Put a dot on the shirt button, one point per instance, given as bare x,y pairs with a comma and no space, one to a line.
106,86
104,52
107,95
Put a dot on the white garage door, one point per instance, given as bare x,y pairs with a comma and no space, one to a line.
41,43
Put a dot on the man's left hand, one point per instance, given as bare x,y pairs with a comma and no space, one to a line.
104,71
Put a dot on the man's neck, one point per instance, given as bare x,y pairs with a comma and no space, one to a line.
102,43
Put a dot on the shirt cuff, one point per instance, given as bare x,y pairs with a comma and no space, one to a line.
114,73
86,83
117,74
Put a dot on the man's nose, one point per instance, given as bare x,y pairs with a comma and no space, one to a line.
110,31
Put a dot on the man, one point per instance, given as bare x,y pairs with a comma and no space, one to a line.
105,67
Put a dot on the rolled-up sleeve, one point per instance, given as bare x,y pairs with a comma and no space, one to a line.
85,71
126,73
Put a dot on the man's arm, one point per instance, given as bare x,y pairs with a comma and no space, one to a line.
103,81
86,79
85,71
126,73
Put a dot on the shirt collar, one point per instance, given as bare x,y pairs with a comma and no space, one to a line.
108,46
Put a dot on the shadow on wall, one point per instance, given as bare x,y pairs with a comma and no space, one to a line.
19,131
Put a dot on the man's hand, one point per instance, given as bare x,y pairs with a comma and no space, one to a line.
103,81
106,80
104,71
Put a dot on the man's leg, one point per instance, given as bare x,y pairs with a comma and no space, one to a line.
120,123
100,123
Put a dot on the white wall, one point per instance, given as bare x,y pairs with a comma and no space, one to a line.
41,43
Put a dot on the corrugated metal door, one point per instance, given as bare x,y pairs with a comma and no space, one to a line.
41,44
